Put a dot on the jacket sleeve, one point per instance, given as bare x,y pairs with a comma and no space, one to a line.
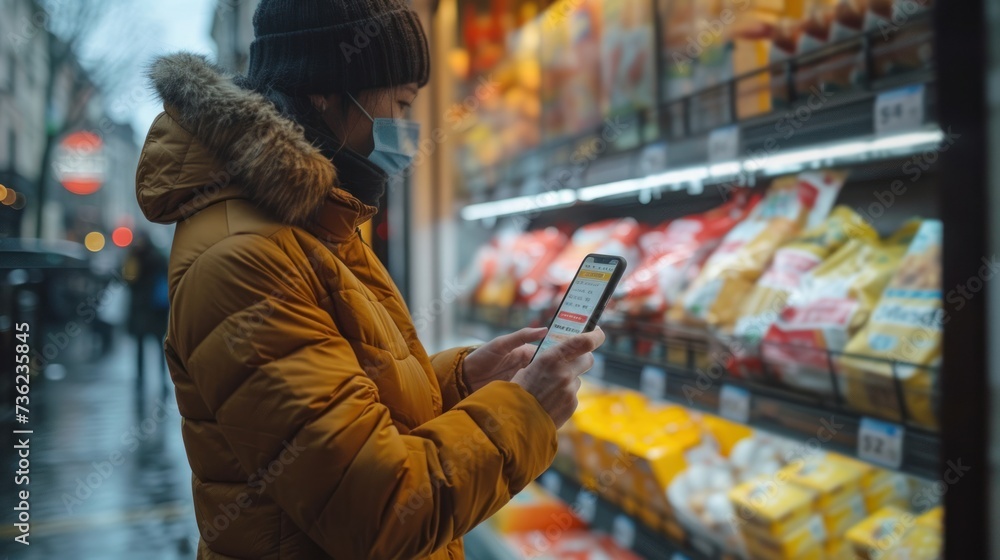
448,365
290,396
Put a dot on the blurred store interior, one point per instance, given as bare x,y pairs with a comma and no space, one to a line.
802,189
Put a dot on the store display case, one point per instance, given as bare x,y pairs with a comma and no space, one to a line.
772,173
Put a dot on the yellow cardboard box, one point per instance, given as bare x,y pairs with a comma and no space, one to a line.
879,533
833,481
804,541
771,506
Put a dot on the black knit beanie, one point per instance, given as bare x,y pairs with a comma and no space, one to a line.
335,46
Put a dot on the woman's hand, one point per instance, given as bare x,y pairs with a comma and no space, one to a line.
554,377
500,358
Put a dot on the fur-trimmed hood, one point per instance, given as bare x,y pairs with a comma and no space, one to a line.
216,140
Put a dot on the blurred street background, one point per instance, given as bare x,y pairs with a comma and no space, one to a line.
86,271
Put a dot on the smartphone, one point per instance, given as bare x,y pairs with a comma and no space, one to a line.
585,299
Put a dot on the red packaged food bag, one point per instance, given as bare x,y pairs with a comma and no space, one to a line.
672,255
617,236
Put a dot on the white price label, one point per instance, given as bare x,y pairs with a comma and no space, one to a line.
623,531
653,382
734,403
552,483
597,372
724,144
881,442
899,110
585,506
653,159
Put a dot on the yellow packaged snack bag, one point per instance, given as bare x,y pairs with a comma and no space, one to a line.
791,204
784,276
834,302
906,328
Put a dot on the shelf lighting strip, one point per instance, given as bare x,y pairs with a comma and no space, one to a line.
785,162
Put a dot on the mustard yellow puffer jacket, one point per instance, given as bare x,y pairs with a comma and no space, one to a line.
315,423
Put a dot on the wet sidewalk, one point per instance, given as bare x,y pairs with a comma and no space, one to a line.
109,479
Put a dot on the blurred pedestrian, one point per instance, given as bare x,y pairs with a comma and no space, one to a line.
145,271
310,407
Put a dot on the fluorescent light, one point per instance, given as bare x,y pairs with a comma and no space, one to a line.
784,162
725,169
519,204
669,178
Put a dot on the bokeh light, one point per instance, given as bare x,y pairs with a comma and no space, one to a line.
9,197
94,241
3,192
19,201
121,236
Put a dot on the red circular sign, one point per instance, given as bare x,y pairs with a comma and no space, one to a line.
79,163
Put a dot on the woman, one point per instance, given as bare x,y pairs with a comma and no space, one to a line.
315,423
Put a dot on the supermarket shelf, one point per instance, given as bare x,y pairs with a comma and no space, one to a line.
603,515
783,412
825,421
807,127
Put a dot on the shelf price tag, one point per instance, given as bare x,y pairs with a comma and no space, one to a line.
734,403
585,506
724,144
623,531
552,482
881,442
597,372
653,382
899,110
653,159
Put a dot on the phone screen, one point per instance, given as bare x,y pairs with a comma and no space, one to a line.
586,295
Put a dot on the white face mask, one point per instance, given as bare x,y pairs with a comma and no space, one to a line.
396,141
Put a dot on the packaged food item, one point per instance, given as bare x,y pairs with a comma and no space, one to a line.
837,549
831,481
905,41
570,54
678,54
784,275
840,516
530,256
843,70
805,540
726,434
880,533
919,544
617,236
628,60
673,254
893,491
833,303
932,518
769,508
902,338
533,509
790,204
